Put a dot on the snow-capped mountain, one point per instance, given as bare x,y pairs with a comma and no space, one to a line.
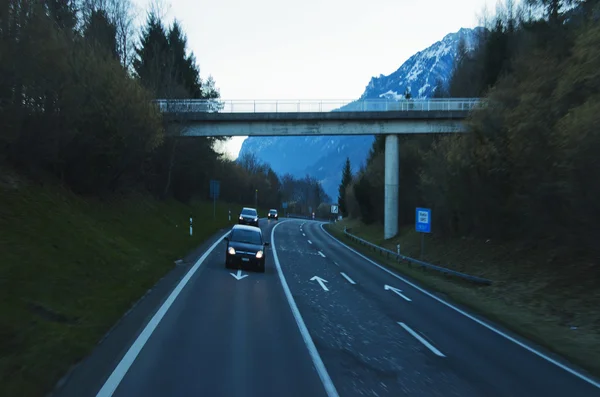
420,73
323,156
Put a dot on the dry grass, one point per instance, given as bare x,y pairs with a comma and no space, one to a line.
558,309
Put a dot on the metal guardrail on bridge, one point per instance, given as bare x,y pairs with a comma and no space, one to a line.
425,265
300,106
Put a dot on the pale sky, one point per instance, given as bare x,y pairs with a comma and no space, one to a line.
310,49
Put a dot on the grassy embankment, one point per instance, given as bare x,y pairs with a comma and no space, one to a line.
558,309
71,267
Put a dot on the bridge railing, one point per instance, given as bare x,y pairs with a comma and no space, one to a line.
297,106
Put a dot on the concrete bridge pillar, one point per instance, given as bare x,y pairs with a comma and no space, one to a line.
392,170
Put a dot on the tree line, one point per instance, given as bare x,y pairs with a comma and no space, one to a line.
528,167
302,195
77,82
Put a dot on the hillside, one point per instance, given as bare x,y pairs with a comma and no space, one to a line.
71,267
322,157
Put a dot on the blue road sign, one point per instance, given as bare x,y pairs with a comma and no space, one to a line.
215,189
284,205
423,220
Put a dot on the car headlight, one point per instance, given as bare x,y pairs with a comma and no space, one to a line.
231,251
255,219
259,254
241,218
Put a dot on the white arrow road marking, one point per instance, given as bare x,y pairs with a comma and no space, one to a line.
347,278
483,323
396,291
423,341
320,281
310,344
322,254
239,275
310,242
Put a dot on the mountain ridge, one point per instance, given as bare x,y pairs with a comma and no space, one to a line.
322,157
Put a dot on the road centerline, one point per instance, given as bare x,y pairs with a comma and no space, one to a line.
310,345
347,278
428,345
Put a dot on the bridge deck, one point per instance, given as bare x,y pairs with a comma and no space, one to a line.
268,118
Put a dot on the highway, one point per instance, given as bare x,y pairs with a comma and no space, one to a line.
321,321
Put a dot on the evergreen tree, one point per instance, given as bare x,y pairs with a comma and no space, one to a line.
346,180
184,73
151,64
101,33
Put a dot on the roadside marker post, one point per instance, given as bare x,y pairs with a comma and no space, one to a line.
191,228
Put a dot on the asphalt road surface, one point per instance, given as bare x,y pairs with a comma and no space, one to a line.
323,321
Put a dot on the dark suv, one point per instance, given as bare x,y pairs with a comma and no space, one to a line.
273,214
248,216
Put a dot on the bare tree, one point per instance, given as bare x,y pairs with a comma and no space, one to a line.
122,14
160,8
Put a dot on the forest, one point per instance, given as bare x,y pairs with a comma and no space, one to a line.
528,169
77,81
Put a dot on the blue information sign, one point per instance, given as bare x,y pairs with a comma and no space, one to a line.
423,220
284,205
215,189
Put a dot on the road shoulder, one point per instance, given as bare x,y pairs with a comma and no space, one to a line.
86,377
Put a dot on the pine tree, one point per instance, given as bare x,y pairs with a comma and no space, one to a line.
346,180
151,63
101,33
185,72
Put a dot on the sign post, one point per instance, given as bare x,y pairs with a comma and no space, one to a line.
423,225
284,205
215,190
191,229
334,210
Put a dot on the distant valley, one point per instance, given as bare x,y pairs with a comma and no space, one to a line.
322,157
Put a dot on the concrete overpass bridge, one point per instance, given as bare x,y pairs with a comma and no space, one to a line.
218,117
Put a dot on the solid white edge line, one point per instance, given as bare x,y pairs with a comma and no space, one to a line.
422,340
347,278
121,369
478,321
322,254
312,349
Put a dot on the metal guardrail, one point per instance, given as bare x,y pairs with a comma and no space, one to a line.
303,106
299,216
389,253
